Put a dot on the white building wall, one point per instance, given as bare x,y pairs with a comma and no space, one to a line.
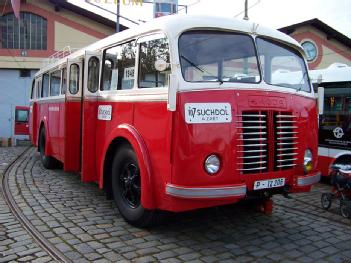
14,91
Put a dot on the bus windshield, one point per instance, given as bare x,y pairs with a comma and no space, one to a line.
209,56
218,56
282,66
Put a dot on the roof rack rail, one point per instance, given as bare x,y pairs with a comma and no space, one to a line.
64,52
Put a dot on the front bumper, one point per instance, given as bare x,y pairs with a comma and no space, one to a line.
308,179
235,191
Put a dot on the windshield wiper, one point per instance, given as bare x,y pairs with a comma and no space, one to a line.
201,69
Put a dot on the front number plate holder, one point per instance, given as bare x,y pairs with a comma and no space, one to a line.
271,183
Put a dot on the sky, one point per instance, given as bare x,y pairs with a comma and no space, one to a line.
271,13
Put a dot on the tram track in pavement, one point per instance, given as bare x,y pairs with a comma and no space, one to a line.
49,248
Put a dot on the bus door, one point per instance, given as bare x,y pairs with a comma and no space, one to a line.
73,115
92,69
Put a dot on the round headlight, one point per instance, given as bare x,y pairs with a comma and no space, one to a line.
308,161
212,164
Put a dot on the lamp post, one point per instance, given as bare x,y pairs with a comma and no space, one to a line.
246,17
117,22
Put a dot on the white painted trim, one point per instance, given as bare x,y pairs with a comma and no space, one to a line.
308,179
332,153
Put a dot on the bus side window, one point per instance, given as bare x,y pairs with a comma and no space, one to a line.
93,74
119,67
150,52
32,94
45,86
39,87
64,81
74,79
55,80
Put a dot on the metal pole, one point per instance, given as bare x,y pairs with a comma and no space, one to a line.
246,17
117,22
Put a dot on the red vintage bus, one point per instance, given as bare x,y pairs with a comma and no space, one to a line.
181,113
334,85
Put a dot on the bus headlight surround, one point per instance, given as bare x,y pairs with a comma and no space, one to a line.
212,164
308,161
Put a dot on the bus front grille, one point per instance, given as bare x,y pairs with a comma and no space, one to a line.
252,142
286,135
267,141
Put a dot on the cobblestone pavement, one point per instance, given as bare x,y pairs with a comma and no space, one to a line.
15,243
78,219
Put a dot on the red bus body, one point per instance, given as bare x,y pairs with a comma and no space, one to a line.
84,131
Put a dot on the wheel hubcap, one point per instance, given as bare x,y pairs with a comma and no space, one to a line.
130,184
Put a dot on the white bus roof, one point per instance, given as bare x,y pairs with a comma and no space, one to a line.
174,25
334,73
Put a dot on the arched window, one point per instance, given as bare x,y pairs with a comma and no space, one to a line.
28,32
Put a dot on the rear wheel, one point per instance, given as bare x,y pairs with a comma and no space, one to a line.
126,186
326,200
47,161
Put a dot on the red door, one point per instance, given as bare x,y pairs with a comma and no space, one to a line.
21,120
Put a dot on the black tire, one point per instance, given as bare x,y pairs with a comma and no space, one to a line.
47,161
326,200
126,188
345,210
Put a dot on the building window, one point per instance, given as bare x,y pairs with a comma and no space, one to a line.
24,73
28,32
310,50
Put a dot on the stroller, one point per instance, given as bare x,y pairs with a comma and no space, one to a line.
341,182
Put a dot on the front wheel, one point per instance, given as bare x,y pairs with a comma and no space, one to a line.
126,187
326,200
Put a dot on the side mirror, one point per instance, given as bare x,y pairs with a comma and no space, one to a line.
320,100
160,65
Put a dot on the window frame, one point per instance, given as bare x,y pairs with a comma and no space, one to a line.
63,78
98,74
251,38
288,48
135,65
145,39
42,85
16,115
33,90
52,72
78,76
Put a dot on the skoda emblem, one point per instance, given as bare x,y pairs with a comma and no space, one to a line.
338,132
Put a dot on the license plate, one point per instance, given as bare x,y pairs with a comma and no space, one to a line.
272,183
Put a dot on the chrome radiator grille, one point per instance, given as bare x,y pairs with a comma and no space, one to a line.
253,142
267,141
286,140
